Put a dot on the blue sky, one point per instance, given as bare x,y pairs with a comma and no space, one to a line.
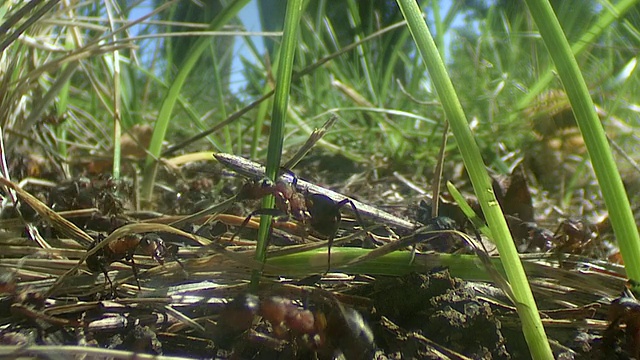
251,21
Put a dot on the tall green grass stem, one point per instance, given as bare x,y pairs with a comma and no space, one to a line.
278,117
527,309
613,191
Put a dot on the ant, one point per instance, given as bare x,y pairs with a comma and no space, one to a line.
327,328
624,310
124,249
318,211
579,236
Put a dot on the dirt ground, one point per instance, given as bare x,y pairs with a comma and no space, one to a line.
174,298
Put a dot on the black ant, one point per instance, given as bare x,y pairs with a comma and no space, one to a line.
325,329
124,248
318,211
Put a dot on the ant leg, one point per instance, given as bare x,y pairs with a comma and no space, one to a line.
272,212
135,274
338,206
114,294
344,202
325,217
172,251
242,226
135,270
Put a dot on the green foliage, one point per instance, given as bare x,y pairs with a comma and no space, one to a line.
495,57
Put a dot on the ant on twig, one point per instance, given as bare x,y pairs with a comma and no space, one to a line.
124,248
318,211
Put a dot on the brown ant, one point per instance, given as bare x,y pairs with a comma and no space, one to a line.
124,248
283,315
578,236
318,211
325,329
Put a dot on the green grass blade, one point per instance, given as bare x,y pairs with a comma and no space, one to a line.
527,309
220,97
278,116
613,191
477,222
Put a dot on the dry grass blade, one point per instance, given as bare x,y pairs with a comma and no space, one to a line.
294,249
437,181
185,319
70,351
214,209
61,224
400,244
315,136
140,228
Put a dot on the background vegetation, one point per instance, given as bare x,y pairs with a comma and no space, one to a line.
390,117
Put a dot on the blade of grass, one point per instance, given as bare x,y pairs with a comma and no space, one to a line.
195,118
527,309
27,23
613,191
117,116
278,116
363,51
61,81
477,222
460,265
61,108
268,93
220,95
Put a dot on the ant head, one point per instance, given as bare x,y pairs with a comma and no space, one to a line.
153,245
255,189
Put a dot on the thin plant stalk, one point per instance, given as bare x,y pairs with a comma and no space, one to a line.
595,139
117,116
527,309
278,116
